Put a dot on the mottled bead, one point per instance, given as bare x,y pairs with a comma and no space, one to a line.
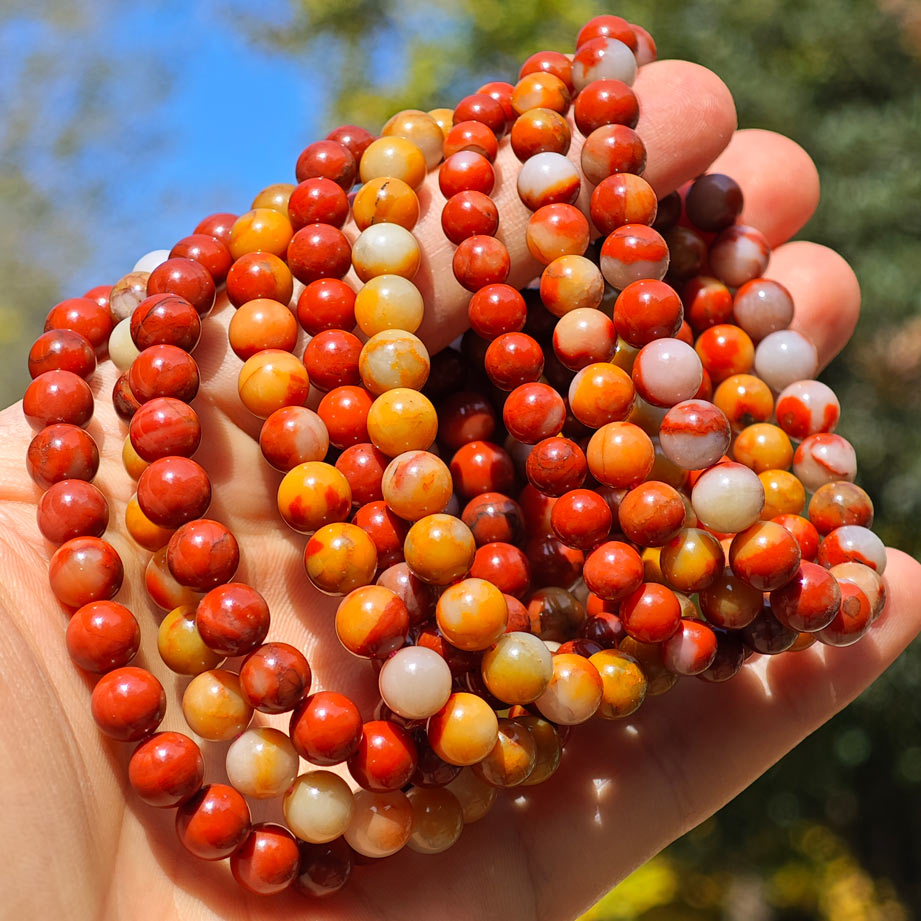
202,554
472,614
739,254
479,261
853,543
728,498
128,703
620,454
127,293
512,758
164,426
260,230
318,807
388,302
186,279
540,130
766,555
313,494
651,613
102,635
210,252
574,692
623,684
331,359
633,252
713,202
402,420
385,249
214,822
464,731
691,649
534,411
621,199
582,337
62,452
809,601
180,644
840,503
340,557
865,578
275,678
547,178
651,514
233,619
85,569
72,508
416,484
62,350
469,213
569,283
386,529
82,315
317,200
268,860
164,371
174,490
372,621
601,393
261,763
293,435
692,560
344,412
258,275
271,379
694,434
744,399
214,706
666,372
517,669
725,350
824,458
763,447
604,57
557,230
393,358
807,408
612,149
645,310
480,467
162,588
166,769
326,728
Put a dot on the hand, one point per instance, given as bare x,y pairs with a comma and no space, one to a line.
79,844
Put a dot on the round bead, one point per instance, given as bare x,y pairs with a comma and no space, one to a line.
56,397
479,467
518,668
102,635
540,90
331,359
72,508
713,202
318,807
762,307
388,302
344,412
534,411
744,399
62,350
694,434
62,452
785,357
258,275
725,350
651,514
540,130
214,823
807,408
808,602
275,678
415,682
326,303
381,823
186,279
313,494
166,769
326,728
728,498
164,426
475,796
548,178
569,283
824,458
214,706
479,261
645,310
386,529
438,820
233,619
464,731
623,684
393,358
513,359
691,649
692,560
512,757
128,703
853,543
268,860
439,549
866,579
82,315
416,484
85,569
620,454
208,251
622,199
385,200
604,57
174,490
202,554
840,503
386,757
472,614
469,213
601,393
317,200
385,249
324,868
293,435
261,763
557,230
402,420
330,159
766,555
666,372
394,157
372,621
340,557
574,692
739,254
612,149
651,614
262,324
180,644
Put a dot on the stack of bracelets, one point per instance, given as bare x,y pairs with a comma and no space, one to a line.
662,530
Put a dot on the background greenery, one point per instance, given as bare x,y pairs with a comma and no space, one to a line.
831,832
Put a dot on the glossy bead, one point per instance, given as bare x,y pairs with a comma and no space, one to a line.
633,252
202,554
766,556
803,530
494,517
62,350
82,315
166,769
317,200
271,379
518,668
763,447
613,571
85,569
691,649
318,251
707,302
651,613
692,560
313,494
824,458
547,178
574,692
402,420
619,200
233,619
275,678
72,508
582,337
381,823
344,412
785,357
729,602
767,635
659,679
809,601
164,371
102,635
324,868
214,706
534,411
416,484
385,759
581,518
363,466
807,408
601,393
557,230
385,249
620,454
262,324
261,763
552,562
762,306
472,614
540,130
475,796
604,57
867,580
162,588
852,620
385,528
725,350
728,498
326,728
318,807
207,251
268,860
188,280
540,90
56,397
330,159
124,402
464,731
128,703
504,566
645,310
479,261
173,490
513,359
62,452
394,157
556,465
465,416
666,372
326,303
126,294
261,230
471,135
258,275
739,254
469,213
415,682
392,358
164,426
372,621
651,514
355,139
340,557
569,283
180,644
623,683
744,399
388,302
134,464
437,820
293,435
217,225
853,543
840,503
480,467
512,758
694,434
713,202
214,822
465,171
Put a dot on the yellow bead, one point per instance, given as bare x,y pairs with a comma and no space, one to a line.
214,706
133,462
464,731
623,683
271,379
388,302
180,644
393,156
340,557
314,494
275,197
419,128
385,200
472,614
145,533
393,358
444,118
262,230
439,549
402,420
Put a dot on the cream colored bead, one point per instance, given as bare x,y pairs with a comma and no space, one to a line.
318,807
381,823
149,261
214,706
122,349
262,763
415,682
385,249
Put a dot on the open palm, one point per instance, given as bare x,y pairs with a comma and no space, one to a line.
78,844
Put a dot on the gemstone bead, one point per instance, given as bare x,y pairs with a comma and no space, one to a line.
574,692
261,763
72,508
180,644
340,557
464,731
268,860
214,706
202,554
728,498
569,283
318,807
174,490
102,635
62,350
62,452
58,397
214,822
547,178
694,434
313,494
85,569
381,823
128,703
824,458
372,622
761,307
166,769
602,58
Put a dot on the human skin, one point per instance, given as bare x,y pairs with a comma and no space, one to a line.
77,843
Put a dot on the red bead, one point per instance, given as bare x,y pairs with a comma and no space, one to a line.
581,518
481,261
613,571
651,514
268,860
99,294
556,465
691,649
233,619
62,452
533,412
852,620
766,556
173,490
501,92
329,159
605,102
482,107
553,563
102,635
540,130
808,602
218,226
612,149
468,214
82,315
647,310
363,466
505,566
275,678
387,530
805,533
344,410
633,252
651,614
549,62
385,758
707,302
331,359
713,202
497,309
164,371
214,822
327,303
318,201
463,417
209,252
72,508
166,769
319,251
58,396
187,279
557,230
472,135
256,275
202,554
124,402
165,319
354,138
326,728
466,171
293,435
513,359
622,199
85,569
479,467
725,350
493,517
602,626
128,703
62,350
164,426
607,26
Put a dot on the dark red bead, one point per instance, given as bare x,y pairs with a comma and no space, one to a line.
188,279
124,402
164,371
326,728
505,566
218,226
552,562
581,518
165,319
268,860
331,359
469,213
713,202
166,769
810,601
202,554
62,452
330,160
481,466
85,569
128,703
324,868
493,516
318,201
72,508
208,251
82,315
214,822
513,359
164,426
354,138
233,619
463,417
385,758
497,309
556,466
174,490
603,627
275,678
482,107
319,251
102,635
327,303
58,396
62,350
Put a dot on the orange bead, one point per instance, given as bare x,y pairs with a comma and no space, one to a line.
784,494
512,758
465,730
472,614
763,446
623,684
601,393
272,379
395,157
134,464
312,495
439,549
725,350
574,693
540,91
402,420
149,535
340,557
215,707
744,399
275,197
262,230
388,302
620,454
416,484
393,358
569,282
262,324
692,560
419,128
180,644
372,621
385,200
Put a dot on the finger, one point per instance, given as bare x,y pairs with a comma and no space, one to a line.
687,118
825,291
779,181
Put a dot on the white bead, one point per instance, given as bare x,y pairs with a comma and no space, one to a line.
262,763
149,261
122,349
864,543
615,61
824,458
728,498
545,171
784,357
667,371
415,682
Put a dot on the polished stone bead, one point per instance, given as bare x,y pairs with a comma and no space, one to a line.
167,769
214,822
102,635
56,397
128,703
85,569
275,678
72,508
